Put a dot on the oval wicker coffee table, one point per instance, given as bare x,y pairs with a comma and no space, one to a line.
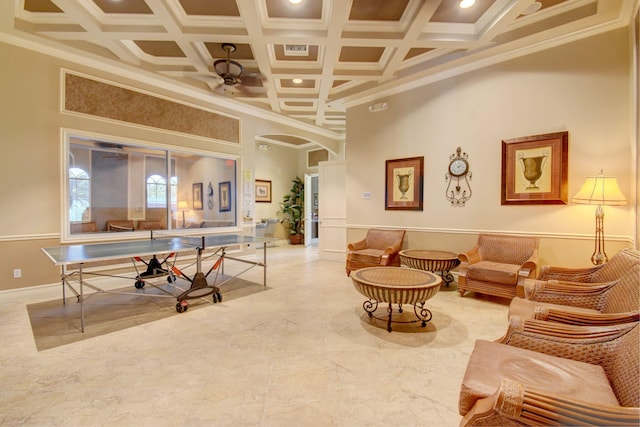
429,260
396,285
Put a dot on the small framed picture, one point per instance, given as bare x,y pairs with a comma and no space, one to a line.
404,183
197,196
263,191
224,196
534,169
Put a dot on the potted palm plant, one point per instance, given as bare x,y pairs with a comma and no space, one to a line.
292,208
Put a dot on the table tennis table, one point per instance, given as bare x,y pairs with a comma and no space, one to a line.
161,251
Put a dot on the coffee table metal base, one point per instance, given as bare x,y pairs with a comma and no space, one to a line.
422,314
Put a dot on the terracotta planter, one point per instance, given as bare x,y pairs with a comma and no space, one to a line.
296,239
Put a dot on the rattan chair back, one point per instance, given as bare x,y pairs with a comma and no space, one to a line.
617,265
623,368
624,296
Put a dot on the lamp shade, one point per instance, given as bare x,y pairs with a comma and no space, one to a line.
183,205
600,190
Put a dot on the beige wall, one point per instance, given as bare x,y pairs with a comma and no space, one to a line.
279,165
583,88
31,138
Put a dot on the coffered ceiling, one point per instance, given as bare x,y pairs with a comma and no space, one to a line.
309,61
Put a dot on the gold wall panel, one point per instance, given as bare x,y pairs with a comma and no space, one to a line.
316,156
100,99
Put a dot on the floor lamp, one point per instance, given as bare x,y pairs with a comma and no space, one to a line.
183,206
601,191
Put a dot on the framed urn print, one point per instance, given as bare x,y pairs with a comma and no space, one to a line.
224,196
197,196
404,184
534,169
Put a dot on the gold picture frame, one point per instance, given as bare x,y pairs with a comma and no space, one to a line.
534,169
224,196
404,184
197,196
263,191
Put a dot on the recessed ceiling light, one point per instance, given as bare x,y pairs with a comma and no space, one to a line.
295,1
297,81
464,4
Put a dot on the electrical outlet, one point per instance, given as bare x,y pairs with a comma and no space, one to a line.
17,273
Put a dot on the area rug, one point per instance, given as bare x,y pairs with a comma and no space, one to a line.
56,324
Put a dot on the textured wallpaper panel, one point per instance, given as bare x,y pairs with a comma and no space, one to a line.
88,96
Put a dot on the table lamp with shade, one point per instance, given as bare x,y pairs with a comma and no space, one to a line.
183,206
602,191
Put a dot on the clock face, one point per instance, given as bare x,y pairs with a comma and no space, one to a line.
458,167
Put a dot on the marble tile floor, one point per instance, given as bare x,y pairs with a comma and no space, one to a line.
301,353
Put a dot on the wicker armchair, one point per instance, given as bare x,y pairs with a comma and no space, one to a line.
378,248
552,374
575,303
497,264
120,225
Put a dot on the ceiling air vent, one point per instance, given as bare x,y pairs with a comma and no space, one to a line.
296,50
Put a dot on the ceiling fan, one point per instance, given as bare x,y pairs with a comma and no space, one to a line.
232,74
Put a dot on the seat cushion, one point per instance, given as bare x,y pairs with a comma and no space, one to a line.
367,256
491,362
525,308
494,272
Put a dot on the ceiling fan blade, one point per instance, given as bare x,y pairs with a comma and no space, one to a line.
251,80
244,91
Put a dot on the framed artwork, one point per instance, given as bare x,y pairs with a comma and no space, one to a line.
197,196
534,169
224,196
263,191
404,184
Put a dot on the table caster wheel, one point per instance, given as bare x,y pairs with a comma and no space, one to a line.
182,306
171,278
139,284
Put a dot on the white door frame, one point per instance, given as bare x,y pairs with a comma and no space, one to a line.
308,208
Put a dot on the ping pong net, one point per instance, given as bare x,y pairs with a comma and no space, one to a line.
196,241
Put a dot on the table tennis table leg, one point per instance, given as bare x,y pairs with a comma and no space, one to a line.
64,292
81,296
264,264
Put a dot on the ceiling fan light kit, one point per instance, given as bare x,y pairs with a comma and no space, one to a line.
228,69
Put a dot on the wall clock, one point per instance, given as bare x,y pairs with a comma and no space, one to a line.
210,196
458,177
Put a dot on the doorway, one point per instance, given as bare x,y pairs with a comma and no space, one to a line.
311,201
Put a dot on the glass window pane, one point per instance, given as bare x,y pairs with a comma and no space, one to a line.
114,187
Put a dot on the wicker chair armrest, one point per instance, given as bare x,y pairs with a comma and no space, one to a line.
393,249
515,402
568,274
584,319
587,295
470,257
357,246
113,227
527,270
581,343
539,287
530,267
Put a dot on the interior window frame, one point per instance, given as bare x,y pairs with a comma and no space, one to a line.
68,135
